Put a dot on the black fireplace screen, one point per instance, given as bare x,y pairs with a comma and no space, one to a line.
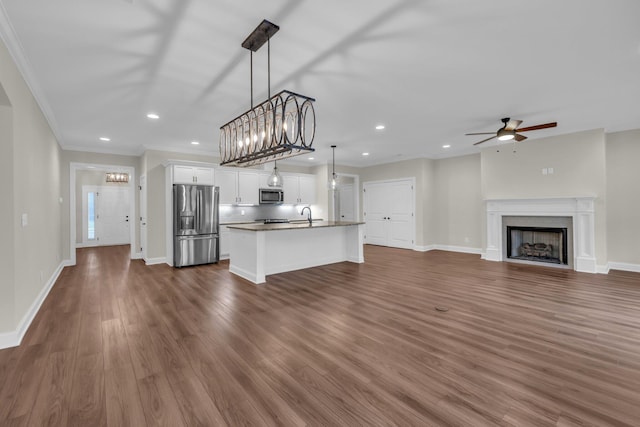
540,244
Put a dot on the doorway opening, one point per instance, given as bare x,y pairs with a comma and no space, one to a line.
101,213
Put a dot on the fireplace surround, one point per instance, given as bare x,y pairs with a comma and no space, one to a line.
579,211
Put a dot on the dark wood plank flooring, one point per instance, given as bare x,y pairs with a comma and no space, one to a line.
119,343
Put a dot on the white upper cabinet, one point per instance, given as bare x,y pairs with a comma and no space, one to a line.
192,175
238,186
227,180
248,185
307,189
291,189
299,189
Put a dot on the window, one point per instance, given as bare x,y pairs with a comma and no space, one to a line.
91,215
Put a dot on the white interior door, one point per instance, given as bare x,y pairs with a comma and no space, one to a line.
375,214
389,213
347,203
400,214
143,216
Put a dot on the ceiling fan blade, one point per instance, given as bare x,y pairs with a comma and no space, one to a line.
484,140
480,133
512,124
519,138
536,127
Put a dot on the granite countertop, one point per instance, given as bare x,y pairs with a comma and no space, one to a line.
291,221
292,225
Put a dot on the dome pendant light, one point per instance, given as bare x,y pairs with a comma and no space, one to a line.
275,180
333,183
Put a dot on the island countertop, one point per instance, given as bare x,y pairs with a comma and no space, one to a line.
291,225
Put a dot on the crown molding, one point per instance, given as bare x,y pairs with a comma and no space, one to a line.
10,39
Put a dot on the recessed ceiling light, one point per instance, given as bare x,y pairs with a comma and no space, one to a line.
195,143
365,154
379,127
153,116
311,158
446,146
105,139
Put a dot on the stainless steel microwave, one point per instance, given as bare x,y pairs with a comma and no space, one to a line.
271,196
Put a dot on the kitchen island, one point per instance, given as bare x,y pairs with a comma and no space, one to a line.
258,250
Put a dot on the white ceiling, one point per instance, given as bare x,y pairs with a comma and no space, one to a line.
430,70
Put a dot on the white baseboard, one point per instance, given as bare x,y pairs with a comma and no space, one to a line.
448,248
624,266
13,339
424,248
137,255
602,269
67,263
461,249
155,261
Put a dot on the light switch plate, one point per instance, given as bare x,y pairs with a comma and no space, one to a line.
25,220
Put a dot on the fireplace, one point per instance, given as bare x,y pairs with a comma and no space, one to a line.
537,244
576,214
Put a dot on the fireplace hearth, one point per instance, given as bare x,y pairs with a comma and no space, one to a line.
537,244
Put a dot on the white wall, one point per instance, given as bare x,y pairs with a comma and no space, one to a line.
32,155
623,197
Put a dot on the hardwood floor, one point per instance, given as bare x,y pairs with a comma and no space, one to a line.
120,343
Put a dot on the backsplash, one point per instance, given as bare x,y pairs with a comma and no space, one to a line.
235,213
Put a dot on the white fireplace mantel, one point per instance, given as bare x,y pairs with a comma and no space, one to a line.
581,209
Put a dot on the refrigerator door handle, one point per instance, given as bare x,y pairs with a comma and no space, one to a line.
198,237
198,210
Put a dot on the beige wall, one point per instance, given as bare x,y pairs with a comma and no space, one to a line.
34,155
69,157
458,202
579,164
623,197
7,291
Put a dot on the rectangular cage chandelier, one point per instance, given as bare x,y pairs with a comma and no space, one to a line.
282,126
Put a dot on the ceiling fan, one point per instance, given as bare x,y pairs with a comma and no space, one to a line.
510,129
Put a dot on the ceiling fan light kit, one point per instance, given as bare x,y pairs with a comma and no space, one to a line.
510,130
282,126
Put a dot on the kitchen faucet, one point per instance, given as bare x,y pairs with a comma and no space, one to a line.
309,217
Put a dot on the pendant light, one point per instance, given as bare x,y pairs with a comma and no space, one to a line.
282,126
275,180
333,183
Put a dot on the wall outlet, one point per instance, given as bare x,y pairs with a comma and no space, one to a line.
466,240
550,171
545,171
24,220
242,212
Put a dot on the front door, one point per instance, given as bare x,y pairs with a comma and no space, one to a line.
105,215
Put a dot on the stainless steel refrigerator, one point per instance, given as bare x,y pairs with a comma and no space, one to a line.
195,225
